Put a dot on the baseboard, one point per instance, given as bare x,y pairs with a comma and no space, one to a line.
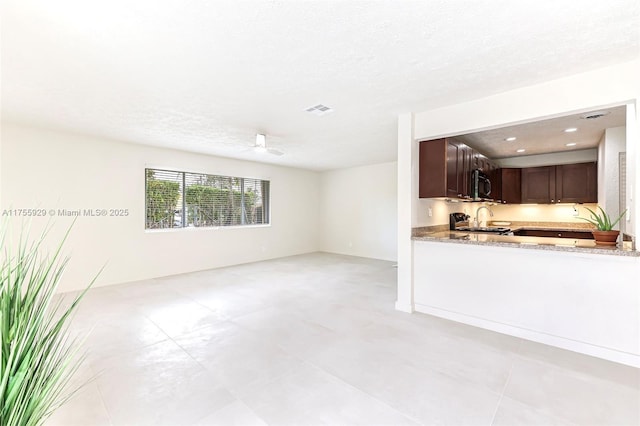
536,336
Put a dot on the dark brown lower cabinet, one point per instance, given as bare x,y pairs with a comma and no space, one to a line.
579,235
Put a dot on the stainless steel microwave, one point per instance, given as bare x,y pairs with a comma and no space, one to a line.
480,185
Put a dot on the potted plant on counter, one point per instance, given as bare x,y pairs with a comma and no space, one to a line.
604,234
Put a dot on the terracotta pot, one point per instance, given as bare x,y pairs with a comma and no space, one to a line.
606,238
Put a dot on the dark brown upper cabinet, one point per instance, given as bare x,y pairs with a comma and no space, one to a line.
577,183
445,168
566,183
441,164
445,172
507,186
437,164
454,169
539,185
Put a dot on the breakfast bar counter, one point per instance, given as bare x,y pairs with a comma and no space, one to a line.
565,292
538,243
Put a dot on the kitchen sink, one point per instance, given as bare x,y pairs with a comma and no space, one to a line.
491,229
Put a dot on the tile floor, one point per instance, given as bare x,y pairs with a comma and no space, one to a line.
314,339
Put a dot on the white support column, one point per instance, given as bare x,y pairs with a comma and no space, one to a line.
406,169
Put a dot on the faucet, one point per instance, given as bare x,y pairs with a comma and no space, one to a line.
476,221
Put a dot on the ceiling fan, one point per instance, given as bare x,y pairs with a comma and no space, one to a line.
261,146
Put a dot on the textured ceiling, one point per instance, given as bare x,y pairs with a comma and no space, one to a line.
546,136
205,76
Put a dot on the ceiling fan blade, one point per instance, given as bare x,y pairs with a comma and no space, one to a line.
260,146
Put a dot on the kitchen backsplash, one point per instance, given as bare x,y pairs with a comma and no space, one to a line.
440,210
542,212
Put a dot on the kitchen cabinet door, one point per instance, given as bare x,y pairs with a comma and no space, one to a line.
440,164
577,183
538,185
433,168
574,235
444,169
565,183
508,186
454,170
464,182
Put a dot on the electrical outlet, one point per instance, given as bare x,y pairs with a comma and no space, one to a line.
430,212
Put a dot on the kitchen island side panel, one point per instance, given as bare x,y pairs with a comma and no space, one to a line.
587,303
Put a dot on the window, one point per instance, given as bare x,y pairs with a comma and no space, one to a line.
182,199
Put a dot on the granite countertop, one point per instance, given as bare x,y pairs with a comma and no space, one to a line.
441,233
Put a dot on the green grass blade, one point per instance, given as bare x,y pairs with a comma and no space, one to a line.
37,356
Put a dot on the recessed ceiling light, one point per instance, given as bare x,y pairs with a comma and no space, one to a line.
520,150
571,130
572,144
510,139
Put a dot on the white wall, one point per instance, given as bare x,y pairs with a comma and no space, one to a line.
594,309
633,165
433,211
612,144
601,170
358,211
56,170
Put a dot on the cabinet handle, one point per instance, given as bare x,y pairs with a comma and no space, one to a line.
552,201
559,235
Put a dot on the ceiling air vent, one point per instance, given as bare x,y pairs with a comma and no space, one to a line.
319,109
594,115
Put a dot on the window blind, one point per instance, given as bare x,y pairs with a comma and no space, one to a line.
163,198
203,200
255,201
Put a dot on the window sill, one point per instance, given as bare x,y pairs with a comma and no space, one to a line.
205,228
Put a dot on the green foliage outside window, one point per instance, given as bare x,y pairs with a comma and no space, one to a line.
209,200
163,197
